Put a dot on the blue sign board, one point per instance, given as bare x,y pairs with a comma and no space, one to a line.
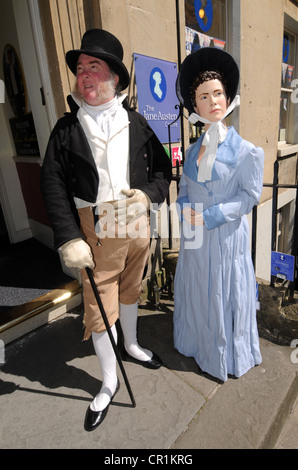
156,85
282,265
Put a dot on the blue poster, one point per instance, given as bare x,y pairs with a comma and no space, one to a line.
157,100
282,265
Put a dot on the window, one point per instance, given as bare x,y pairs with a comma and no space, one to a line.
205,22
287,73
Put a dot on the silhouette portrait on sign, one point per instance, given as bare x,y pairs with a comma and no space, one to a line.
157,89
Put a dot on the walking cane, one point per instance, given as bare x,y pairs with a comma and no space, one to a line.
108,328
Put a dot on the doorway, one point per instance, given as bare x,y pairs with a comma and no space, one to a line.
28,264
4,237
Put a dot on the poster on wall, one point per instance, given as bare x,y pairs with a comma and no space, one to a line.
157,100
22,124
14,81
24,136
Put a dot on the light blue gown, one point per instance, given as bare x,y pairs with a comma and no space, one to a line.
215,287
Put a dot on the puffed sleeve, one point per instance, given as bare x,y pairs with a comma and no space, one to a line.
250,190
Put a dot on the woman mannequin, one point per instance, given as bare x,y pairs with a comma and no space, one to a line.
215,288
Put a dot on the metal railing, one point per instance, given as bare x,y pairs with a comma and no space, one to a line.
294,245
275,187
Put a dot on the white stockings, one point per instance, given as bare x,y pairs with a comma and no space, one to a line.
128,315
107,360
104,351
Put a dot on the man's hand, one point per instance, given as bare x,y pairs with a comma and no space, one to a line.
136,203
77,254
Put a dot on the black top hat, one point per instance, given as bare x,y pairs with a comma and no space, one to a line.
102,45
206,59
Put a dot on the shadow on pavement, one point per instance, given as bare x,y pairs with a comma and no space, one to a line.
44,355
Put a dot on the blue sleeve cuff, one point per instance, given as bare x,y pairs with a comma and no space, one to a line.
213,217
180,202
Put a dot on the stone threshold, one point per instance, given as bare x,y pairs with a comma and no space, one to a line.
25,318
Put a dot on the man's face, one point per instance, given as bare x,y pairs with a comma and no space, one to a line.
95,82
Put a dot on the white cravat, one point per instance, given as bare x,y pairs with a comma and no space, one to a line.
103,114
215,135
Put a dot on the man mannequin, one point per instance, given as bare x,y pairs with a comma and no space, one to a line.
104,158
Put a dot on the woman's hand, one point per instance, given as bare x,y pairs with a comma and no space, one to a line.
193,217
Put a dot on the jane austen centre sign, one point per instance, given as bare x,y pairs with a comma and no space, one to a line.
156,81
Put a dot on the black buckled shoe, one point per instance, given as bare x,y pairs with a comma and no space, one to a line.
94,418
153,363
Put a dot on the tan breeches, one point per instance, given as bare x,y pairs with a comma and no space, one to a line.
119,267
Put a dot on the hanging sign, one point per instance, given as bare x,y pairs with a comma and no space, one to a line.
282,265
157,100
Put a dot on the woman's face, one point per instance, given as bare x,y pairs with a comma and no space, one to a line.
94,80
211,100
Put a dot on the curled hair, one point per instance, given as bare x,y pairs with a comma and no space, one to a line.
205,77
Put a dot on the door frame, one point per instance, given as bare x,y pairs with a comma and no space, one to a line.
41,56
